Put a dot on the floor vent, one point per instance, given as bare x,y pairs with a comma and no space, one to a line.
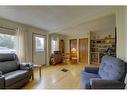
64,70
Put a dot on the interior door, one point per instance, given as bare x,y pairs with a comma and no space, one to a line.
39,49
83,50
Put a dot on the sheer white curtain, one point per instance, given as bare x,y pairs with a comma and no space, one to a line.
54,44
22,48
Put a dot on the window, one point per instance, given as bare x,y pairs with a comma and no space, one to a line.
39,44
54,45
7,43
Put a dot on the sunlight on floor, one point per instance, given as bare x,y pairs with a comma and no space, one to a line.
54,78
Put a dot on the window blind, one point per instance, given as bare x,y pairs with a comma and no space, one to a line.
8,31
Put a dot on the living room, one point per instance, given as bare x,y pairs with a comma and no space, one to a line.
59,42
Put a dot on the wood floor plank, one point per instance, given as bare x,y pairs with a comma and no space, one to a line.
54,78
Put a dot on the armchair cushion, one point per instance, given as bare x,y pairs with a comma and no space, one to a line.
8,66
92,79
0,73
7,57
85,79
2,81
91,70
111,74
15,76
111,68
107,84
12,74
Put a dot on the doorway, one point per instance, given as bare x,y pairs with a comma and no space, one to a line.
39,52
83,50
73,50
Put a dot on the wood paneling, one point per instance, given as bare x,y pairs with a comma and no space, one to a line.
83,50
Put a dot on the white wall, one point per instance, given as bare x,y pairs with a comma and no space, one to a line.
38,31
125,9
104,25
120,24
87,35
29,30
104,33
67,44
74,36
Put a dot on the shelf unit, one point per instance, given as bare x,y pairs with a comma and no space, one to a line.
61,46
98,48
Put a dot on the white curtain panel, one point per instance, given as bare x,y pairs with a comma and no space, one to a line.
22,48
54,44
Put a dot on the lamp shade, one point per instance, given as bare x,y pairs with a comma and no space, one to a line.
73,50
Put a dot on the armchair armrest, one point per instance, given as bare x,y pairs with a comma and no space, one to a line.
0,73
2,80
107,84
91,70
26,66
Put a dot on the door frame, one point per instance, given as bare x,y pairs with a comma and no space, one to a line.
33,47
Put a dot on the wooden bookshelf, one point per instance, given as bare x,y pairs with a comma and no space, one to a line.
61,46
99,48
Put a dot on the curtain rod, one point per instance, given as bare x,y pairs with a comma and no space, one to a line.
7,28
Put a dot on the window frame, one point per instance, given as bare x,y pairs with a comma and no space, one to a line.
10,32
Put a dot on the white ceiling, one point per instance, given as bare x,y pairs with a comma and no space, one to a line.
103,24
51,18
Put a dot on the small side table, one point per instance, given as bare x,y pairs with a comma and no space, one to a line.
73,59
34,67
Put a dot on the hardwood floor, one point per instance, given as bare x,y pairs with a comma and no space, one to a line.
54,78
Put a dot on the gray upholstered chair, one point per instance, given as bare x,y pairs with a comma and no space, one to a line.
12,73
56,58
110,75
